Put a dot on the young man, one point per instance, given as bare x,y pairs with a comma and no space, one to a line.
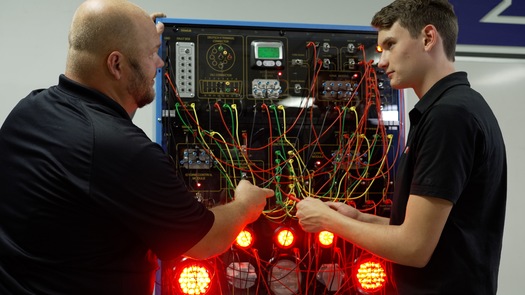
87,201
445,231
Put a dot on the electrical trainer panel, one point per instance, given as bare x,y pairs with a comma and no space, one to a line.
301,109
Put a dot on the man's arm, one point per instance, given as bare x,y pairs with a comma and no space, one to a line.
352,212
411,243
230,219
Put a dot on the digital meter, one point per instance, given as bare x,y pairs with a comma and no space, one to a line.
267,54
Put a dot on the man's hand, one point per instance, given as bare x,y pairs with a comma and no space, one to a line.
312,214
344,209
156,15
160,26
253,198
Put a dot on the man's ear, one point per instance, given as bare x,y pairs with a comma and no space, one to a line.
430,36
114,64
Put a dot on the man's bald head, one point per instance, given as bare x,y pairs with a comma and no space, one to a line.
100,27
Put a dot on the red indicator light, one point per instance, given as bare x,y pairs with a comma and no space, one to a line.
244,239
370,275
326,238
284,238
193,277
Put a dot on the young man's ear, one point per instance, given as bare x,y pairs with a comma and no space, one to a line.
430,36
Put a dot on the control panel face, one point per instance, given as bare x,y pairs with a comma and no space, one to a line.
300,109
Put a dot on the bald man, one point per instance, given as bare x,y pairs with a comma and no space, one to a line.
87,202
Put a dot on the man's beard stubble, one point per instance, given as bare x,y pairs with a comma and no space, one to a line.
139,87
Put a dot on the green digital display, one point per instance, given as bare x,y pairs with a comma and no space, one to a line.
268,52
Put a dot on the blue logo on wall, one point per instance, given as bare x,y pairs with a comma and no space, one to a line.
491,22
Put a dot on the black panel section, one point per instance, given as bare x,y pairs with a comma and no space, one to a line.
303,111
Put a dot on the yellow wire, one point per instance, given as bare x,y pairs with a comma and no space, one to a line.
234,107
383,160
212,134
349,166
207,147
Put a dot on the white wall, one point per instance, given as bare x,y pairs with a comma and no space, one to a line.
33,44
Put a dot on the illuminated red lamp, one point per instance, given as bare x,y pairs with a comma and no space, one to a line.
379,49
193,277
245,239
370,275
325,239
284,237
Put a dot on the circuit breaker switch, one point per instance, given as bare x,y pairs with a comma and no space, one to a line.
326,47
350,47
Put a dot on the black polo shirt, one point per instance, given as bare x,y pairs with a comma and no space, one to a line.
455,151
87,201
